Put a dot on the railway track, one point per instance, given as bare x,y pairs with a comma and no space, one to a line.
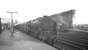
65,44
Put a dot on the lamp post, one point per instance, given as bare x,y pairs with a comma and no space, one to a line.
12,22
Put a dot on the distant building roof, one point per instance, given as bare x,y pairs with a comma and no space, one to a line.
63,17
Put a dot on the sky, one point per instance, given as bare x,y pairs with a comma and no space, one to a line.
31,9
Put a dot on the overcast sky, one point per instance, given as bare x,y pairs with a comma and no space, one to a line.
31,9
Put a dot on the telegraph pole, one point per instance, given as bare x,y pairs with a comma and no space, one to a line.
12,22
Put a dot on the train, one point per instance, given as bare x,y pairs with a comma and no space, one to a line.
42,28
